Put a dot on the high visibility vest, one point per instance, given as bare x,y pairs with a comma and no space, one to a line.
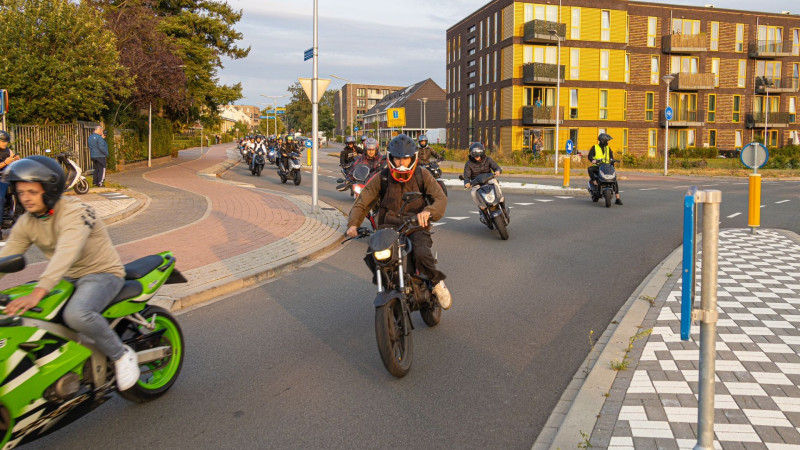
601,154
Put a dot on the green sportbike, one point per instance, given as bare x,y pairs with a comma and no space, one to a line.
49,376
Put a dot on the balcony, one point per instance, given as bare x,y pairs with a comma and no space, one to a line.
773,85
770,49
541,73
541,115
684,118
684,43
761,120
538,32
685,81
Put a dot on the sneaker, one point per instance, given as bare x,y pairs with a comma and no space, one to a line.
442,295
127,369
618,202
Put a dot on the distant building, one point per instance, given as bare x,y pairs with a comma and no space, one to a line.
254,112
230,115
425,109
353,100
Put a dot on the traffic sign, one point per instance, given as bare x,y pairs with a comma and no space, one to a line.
754,155
355,128
668,113
570,146
396,117
308,143
308,54
322,84
3,101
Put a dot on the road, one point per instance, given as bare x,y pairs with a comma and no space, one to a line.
293,364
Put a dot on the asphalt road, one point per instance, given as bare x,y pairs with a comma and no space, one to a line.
293,363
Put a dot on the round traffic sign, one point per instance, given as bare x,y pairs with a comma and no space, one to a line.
570,146
309,143
754,155
668,113
355,128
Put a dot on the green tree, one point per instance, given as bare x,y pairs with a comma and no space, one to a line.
267,127
298,110
241,128
58,61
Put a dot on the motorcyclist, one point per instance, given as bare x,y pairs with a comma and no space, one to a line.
362,147
285,153
601,153
7,156
477,164
78,247
349,152
426,152
260,145
403,175
372,158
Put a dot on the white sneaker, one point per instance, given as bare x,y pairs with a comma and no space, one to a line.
127,369
443,295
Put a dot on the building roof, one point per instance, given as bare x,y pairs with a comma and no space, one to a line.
396,99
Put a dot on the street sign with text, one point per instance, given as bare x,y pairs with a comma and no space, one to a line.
308,54
396,117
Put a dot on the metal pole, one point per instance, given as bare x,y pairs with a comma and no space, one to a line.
766,115
315,118
150,136
666,137
420,117
425,114
558,98
708,319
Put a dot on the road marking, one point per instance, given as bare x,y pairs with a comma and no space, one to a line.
783,201
707,185
763,206
678,187
456,218
649,189
734,215
436,224
474,212
543,200
558,196
523,204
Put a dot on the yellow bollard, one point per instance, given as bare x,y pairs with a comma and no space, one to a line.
754,212
566,171
308,154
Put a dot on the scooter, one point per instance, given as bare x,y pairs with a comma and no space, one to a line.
606,183
272,154
494,214
75,179
290,168
436,171
259,160
52,376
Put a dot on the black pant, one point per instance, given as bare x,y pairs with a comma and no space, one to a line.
99,174
421,255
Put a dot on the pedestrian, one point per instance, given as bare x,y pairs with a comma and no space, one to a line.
98,151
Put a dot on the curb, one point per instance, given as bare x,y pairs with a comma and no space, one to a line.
580,404
142,202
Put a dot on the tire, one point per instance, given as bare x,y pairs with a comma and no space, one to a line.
157,377
392,333
500,224
283,177
297,178
81,187
595,198
258,171
444,188
608,195
431,315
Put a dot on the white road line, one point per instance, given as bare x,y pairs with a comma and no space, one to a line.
543,200
436,224
783,201
734,215
763,206
649,189
558,196
523,204
707,185
456,218
678,187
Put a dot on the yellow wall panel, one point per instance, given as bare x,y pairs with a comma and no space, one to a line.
590,24
519,17
590,64
616,104
589,104
619,25
616,62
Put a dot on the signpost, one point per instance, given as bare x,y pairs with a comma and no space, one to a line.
568,147
667,115
754,156
396,118
308,54
4,106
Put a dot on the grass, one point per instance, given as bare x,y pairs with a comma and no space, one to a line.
623,365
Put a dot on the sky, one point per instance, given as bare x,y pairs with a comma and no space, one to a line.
387,42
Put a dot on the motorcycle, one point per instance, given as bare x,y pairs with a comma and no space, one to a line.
436,171
52,376
361,175
12,210
495,215
259,160
75,179
272,154
401,291
344,185
606,183
290,168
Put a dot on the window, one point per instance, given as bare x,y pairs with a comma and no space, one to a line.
384,92
471,86
605,25
480,71
796,42
742,77
714,41
627,68
496,67
624,141
603,104
547,13
771,37
738,143
574,63
684,64
739,46
715,70
573,136
361,92
471,40
737,106
470,74
685,26
649,106
495,107
792,110
480,44
652,142
471,63
471,51
573,103
712,138
361,103
685,106
471,29
496,27
575,30
625,106
604,65
712,107
654,70
795,76
652,30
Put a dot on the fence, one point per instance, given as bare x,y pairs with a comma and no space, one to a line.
35,139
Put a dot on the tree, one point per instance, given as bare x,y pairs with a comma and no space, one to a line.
58,59
240,128
298,110
267,127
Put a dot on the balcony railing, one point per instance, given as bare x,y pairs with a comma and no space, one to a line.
538,73
773,85
538,31
684,118
774,120
684,43
686,81
541,115
770,49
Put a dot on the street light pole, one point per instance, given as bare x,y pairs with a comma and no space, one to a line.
667,79
150,135
349,102
314,118
274,109
558,93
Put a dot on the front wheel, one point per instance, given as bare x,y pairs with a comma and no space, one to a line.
297,178
608,195
393,334
157,376
500,224
444,188
81,187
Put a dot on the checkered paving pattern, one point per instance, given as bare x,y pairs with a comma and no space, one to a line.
757,401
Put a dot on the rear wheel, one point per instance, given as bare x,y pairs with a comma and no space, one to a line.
431,314
393,334
297,178
607,194
500,224
444,188
157,376
81,187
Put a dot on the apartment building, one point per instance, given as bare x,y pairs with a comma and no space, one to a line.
424,105
253,112
515,69
353,101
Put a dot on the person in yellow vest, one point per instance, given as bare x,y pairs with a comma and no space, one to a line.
601,153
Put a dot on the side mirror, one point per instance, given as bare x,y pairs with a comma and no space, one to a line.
340,180
411,196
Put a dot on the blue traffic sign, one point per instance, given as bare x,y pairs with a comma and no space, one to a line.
570,146
355,128
309,143
668,113
308,54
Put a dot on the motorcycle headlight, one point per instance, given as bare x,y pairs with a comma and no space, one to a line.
383,255
607,176
358,189
488,196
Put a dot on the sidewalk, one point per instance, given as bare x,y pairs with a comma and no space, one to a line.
653,403
225,236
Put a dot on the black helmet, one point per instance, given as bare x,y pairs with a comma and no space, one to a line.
423,141
477,149
38,169
4,136
402,146
603,139
349,140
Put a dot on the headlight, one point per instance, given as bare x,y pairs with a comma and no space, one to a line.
609,176
357,189
488,196
383,255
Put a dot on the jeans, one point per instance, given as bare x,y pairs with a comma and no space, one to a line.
93,293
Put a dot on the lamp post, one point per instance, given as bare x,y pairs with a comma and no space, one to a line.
422,110
667,79
349,102
767,85
558,92
274,109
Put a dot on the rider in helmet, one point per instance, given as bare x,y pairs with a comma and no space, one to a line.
72,232
402,176
426,152
362,147
7,156
477,164
349,152
372,157
285,152
601,153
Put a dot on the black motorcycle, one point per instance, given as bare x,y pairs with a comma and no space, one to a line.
401,291
259,160
290,168
436,171
606,183
494,214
